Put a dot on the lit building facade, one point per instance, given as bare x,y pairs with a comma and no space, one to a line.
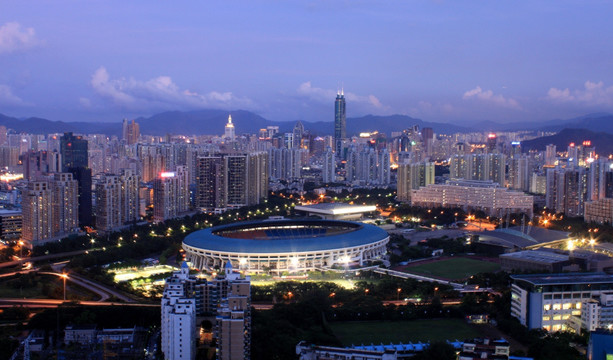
473,195
548,301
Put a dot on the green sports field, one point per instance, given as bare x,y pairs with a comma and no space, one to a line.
455,268
377,332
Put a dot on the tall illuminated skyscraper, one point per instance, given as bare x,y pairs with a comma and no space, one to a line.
229,132
340,123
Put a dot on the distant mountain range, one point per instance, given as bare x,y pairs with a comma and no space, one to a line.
601,140
212,121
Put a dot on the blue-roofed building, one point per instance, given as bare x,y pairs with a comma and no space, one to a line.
285,245
600,346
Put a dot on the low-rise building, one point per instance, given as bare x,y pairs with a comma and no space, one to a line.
487,196
599,211
484,349
598,312
548,301
600,346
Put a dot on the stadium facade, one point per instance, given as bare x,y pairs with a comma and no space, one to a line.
279,246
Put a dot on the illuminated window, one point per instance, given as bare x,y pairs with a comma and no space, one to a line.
547,307
557,317
557,306
578,305
546,318
567,306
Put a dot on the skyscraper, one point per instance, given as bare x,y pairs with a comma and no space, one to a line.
229,133
75,160
131,131
298,133
340,123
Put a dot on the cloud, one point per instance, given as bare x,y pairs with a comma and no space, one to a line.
593,93
324,95
159,92
14,38
8,98
488,96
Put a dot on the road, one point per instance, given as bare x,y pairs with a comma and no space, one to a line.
42,258
51,303
104,295
404,275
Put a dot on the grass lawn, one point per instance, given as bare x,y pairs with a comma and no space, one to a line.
347,284
454,268
376,332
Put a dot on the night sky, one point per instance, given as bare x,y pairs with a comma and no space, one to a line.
446,61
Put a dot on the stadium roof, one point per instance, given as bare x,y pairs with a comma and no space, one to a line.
335,208
540,256
513,237
356,234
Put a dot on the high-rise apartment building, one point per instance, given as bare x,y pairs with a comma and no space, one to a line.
340,123
231,180
298,133
65,203
225,298
131,131
117,200
37,201
567,190
49,208
328,173
171,194
412,177
479,167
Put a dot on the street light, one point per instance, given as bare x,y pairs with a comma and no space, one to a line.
398,293
64,276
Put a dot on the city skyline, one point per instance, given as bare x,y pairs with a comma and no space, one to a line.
436,60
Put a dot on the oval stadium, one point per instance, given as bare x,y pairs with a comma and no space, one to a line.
285,245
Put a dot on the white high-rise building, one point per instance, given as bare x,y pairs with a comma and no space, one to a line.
227,297
229,133
178,318
328,173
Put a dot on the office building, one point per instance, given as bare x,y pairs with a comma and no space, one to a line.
74,156
487,196
548,301
340,123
